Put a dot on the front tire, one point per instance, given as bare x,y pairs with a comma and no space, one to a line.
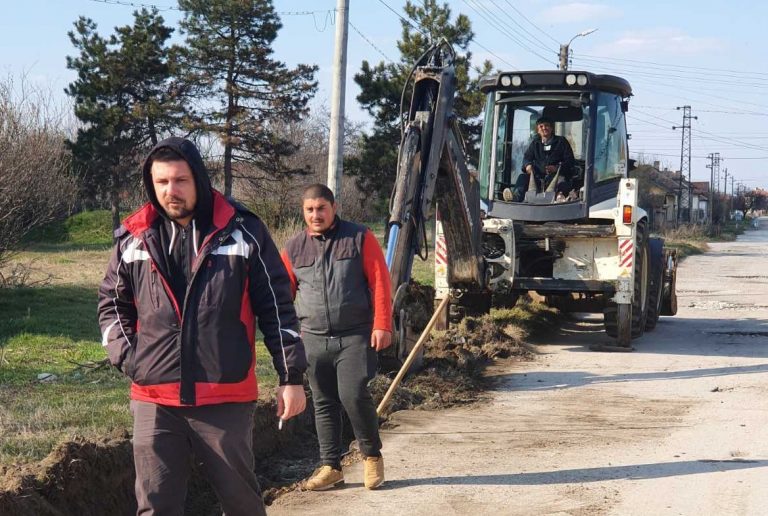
627,322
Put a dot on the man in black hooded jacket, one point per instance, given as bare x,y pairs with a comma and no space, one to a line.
189,278
546,155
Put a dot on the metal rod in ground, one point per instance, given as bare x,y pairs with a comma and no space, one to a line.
412,356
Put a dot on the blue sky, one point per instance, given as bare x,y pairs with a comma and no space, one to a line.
703,54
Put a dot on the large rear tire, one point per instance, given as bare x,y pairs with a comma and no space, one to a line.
656,286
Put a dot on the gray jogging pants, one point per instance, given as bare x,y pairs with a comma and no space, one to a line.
219,436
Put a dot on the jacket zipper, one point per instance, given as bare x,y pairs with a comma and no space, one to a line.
187,393
325,287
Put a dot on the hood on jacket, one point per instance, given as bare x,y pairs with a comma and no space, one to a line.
188,150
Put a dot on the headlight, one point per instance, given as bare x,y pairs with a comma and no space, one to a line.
517,80
505,80
582,80
570,79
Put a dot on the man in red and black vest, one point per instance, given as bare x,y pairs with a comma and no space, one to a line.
190,277
338,272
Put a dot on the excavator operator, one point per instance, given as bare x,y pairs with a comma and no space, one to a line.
546,154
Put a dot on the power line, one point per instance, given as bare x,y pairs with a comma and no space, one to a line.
698,90
500,27
651,151
755,113
529,21
176,8
687,98
714,136
136,4
407,21
741,82
377,49
716,70
533,38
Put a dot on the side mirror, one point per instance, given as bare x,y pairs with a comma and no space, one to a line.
624,106
632,164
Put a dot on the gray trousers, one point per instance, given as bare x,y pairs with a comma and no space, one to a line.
219,436
339,371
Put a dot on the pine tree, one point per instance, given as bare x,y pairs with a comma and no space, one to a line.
123,100
381,88
243,90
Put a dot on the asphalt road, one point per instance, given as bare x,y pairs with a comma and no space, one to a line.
677,427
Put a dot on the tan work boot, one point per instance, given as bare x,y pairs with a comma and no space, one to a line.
373,472
324,477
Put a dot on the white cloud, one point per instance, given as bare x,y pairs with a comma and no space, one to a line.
659,41
578,12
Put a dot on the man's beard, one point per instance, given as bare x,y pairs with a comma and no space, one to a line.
180,211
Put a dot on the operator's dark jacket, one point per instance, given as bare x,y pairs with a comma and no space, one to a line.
557,152
341,279
197,348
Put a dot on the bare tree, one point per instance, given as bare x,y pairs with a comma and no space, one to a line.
276,197
35,184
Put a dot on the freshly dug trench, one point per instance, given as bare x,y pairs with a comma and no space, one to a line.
95,478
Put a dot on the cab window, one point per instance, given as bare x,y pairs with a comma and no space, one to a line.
610,159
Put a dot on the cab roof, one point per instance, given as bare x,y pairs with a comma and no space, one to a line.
538,80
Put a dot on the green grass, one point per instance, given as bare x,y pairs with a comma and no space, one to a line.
423,271
84,230
54,330
686,248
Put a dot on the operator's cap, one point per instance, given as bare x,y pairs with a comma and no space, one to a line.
544,120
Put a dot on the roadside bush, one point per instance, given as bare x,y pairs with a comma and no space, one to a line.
35,186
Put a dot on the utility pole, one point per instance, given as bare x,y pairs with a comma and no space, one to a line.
563,57
336,137
685,161
714,170
732,195
725,194
565,48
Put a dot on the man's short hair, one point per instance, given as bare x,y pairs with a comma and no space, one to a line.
545,120
164,155
318,191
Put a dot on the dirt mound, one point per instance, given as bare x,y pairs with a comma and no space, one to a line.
454,359
79,477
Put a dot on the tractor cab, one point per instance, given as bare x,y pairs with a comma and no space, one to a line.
584,109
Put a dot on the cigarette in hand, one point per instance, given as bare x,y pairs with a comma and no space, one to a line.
280,424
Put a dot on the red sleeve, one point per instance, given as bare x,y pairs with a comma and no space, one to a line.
377,275
289,268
